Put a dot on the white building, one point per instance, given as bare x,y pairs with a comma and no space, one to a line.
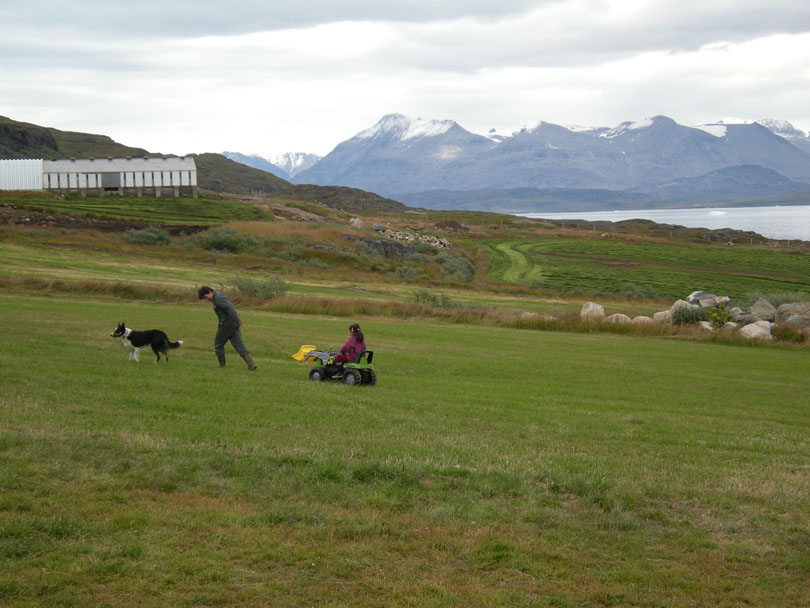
98,176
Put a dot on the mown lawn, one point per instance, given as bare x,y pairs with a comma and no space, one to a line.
613,266
488,467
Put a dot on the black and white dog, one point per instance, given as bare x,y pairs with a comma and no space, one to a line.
136,340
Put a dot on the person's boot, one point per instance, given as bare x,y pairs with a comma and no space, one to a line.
221,359
249,360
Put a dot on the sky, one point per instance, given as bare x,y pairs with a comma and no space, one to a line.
269,77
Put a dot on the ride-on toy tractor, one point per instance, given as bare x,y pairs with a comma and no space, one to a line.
353,373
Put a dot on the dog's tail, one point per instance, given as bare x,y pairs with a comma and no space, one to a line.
177,344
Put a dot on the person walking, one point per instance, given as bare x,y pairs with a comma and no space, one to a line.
228,327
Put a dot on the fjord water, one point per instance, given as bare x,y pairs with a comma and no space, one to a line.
782,223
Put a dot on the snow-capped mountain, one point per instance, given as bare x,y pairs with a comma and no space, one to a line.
285,166
399,157
292,163
257,162
784,129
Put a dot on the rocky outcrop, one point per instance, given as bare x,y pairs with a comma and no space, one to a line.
755,323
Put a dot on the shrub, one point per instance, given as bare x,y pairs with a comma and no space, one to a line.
147,236
786,333
406,271
440,300
640,292
777,299
224,239
459,269
719,316
688,315
268,288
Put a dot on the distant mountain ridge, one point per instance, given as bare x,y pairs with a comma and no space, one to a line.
432,163
285,166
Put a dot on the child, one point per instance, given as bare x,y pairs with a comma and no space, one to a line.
354,345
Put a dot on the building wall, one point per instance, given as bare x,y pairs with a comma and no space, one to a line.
21,174
124,175
119,173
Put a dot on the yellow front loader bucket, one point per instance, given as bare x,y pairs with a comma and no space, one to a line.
302,353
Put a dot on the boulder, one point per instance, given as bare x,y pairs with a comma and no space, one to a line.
592,312
642,320
705,300
763,310
619,318
730,327
796,315
663,317
681,304
356,221
744,317
706,325
761,330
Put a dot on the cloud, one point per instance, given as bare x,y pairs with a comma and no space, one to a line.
274,77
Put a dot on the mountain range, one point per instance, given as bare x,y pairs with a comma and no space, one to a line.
653,163
285,166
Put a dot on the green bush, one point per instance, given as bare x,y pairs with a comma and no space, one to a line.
456,268
406,271
440,300
776,299
268,288
719,315
147,236
224,239
688,315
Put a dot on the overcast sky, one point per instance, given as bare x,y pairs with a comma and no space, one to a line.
267,77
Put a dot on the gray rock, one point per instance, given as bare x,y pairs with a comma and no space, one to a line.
761,330
641,320
796,315
730,327
762,309
706,325
592,312
706,300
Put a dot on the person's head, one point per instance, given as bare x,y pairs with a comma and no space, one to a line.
354,329
205,293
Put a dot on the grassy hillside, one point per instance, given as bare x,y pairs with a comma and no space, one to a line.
659,268
214,172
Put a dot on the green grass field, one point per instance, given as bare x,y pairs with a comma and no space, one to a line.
488,467
613,266
150,209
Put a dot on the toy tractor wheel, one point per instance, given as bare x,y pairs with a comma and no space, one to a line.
318,374
369,377
352,377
